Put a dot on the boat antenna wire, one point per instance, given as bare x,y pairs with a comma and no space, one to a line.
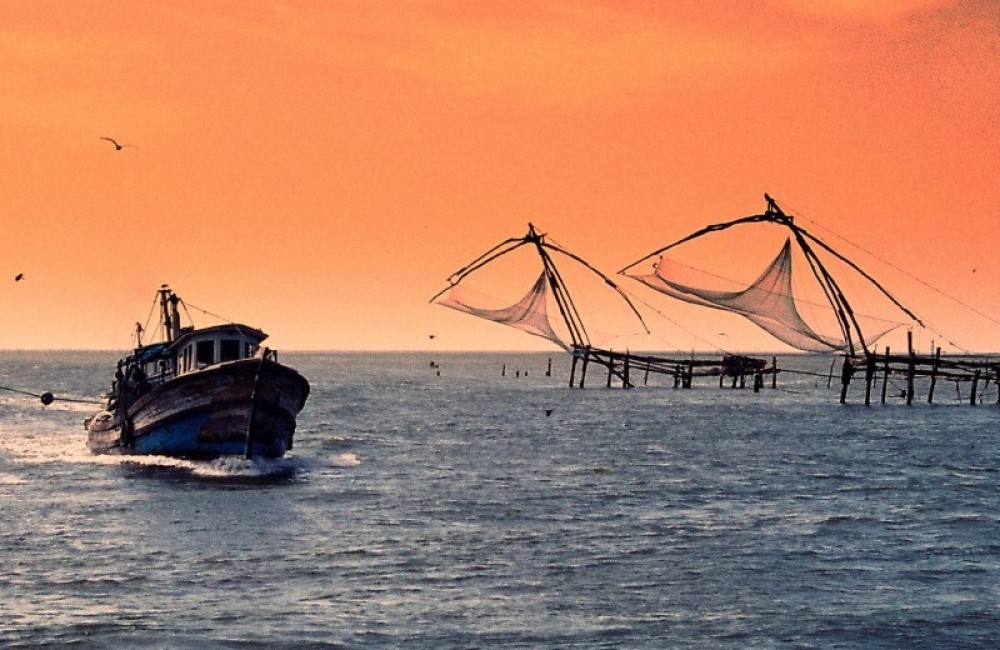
228,321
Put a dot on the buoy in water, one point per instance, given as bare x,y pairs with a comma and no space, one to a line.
47,398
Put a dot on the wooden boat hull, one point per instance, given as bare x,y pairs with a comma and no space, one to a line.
240,408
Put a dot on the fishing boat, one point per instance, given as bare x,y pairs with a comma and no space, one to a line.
199,394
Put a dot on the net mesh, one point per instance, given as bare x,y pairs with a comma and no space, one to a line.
767,302
529,314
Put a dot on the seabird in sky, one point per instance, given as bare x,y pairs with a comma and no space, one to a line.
118,147
18,277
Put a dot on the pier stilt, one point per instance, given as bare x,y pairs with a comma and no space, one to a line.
885,373
934,371
911,369
869,377
846,372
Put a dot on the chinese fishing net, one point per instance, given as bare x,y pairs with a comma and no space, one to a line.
768,301
529,314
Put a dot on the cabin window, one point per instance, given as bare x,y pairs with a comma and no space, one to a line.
229,350
205,353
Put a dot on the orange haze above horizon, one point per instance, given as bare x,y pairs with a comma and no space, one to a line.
319,169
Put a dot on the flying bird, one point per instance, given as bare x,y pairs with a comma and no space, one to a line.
118,147
431,335
18,277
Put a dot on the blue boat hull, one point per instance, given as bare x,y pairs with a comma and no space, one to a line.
245,408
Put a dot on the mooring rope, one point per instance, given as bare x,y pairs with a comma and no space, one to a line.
47,397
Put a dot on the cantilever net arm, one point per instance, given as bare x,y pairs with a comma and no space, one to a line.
704,231
606,279
499,250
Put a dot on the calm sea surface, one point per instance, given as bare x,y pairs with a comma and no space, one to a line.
427,511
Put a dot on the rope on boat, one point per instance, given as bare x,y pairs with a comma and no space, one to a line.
47,397
248,451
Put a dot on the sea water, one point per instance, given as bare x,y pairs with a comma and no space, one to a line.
472,501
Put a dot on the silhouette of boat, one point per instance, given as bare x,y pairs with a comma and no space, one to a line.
199,394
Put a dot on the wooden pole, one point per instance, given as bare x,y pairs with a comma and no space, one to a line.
645,378
869,377
846,372
975,387
829,380
611,367
548,370
885,373
910,368
934,370
583,369
774,372
625,379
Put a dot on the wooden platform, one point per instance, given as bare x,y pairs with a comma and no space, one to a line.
623,367
976,372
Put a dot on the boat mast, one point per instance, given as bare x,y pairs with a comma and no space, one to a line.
175,315
170,315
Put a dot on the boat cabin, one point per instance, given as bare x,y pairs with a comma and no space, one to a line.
197,349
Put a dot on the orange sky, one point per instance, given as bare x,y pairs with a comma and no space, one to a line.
319,169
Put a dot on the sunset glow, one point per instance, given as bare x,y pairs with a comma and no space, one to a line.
319,169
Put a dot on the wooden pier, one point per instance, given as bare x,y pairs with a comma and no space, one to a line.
905,371
622,368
